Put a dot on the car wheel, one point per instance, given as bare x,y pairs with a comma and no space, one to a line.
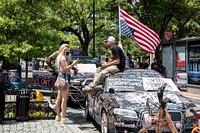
104,122
87,114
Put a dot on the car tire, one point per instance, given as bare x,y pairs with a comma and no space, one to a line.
104,122
88,117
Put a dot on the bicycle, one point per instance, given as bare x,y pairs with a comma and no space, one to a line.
162,120
196,128
76,94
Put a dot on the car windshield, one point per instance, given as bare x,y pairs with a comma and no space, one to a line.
141,73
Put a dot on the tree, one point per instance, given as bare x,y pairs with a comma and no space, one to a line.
76,17
27,29
163,15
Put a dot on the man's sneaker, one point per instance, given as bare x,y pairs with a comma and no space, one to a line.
57,119
66,121
92,92
87,88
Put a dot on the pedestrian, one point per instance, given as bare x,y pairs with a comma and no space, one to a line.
158,67
131,63
117,64
144,64
62,96
155,65
55,54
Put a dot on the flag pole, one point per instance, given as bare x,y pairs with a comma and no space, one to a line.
120,42
119,23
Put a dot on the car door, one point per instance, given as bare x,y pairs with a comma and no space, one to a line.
90,100
97,106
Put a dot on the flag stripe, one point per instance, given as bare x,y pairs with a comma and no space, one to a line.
146,38
143,29
144,43
141,37
139,25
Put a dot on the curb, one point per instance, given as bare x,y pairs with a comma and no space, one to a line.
194,98
192,95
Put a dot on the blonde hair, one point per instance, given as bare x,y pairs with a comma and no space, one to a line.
62,50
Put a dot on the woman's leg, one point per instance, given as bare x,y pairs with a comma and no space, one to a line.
58,101
64,102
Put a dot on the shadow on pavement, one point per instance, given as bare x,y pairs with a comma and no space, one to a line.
77,115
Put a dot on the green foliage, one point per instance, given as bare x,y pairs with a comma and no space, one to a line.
35,28
27,29
166,15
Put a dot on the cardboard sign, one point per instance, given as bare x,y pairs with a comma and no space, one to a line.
86,68
155,83
44,79
124,84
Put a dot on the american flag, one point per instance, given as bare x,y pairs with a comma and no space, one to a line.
146,38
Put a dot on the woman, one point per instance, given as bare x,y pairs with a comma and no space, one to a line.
63,70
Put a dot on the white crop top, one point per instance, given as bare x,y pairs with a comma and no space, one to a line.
60,58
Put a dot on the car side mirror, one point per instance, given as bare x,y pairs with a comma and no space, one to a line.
111,90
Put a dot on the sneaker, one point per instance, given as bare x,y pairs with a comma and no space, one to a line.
57,119
92,92
87,88
66,121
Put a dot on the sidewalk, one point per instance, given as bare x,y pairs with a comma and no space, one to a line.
195,98
192,95
38,126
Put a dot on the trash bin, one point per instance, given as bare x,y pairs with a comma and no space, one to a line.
22,104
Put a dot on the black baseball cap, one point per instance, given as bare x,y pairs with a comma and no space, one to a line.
64,42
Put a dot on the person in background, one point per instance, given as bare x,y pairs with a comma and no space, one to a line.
55,54
144,64
131,63
158,67
68,58
117,64
62,96
155,65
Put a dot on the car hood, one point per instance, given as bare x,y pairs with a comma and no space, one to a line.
137,100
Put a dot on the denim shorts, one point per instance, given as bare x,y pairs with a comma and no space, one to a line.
63,75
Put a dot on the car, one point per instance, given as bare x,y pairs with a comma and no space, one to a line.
119,104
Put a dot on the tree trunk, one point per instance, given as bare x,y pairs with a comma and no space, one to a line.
84,47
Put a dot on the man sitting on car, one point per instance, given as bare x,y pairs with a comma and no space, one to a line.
107,68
